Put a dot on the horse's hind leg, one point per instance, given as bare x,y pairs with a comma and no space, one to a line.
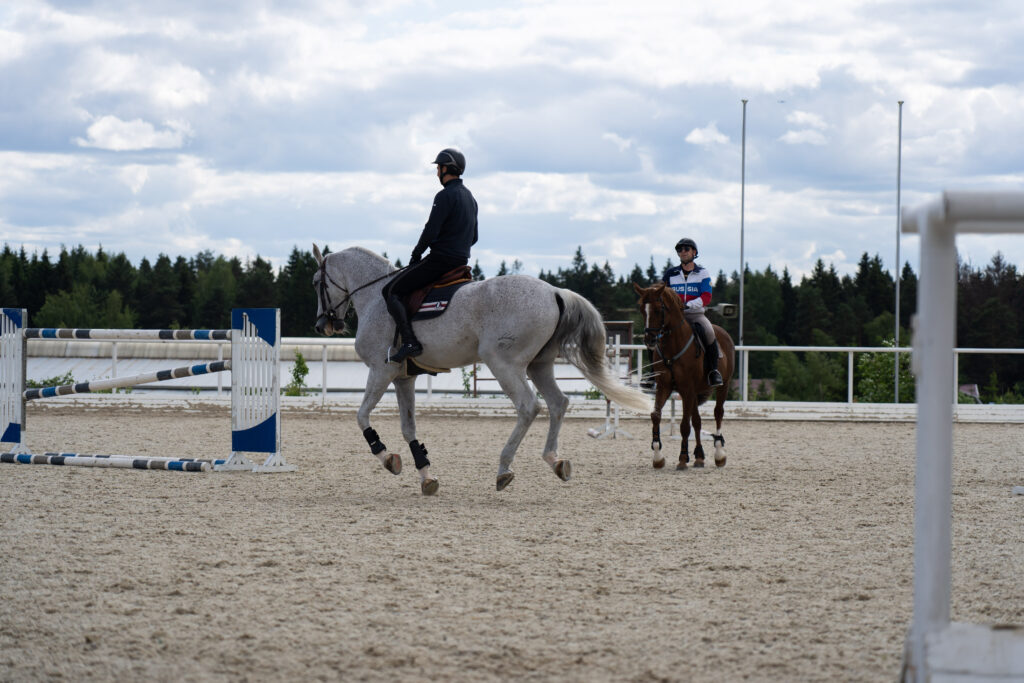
376,383
513,383
405,391
542,372
698,449
684,432
718,438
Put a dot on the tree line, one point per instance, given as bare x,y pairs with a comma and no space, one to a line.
80,288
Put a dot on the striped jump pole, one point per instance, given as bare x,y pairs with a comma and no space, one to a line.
128,381
124,335
255,367
125,462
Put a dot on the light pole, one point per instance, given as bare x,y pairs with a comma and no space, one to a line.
743,198
899,160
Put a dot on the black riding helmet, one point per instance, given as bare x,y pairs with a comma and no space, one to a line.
453,159
687,242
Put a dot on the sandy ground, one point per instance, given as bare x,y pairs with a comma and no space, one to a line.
794,562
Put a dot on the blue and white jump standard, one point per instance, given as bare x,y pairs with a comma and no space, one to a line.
255,367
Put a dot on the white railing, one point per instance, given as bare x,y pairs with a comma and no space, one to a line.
636,352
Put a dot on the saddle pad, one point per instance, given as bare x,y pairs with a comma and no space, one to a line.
436,301
429,294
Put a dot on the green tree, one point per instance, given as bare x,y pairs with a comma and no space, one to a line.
876,373
296,296
257,288
215,294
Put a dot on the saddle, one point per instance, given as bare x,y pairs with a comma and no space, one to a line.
432,300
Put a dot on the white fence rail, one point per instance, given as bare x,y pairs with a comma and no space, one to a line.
637,353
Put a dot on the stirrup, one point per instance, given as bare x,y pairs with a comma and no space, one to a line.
715,378
406,350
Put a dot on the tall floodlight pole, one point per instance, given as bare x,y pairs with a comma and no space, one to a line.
899,160
743,198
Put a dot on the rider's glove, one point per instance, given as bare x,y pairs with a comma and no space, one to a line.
695,304
415,258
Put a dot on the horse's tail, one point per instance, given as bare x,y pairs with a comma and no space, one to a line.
580,336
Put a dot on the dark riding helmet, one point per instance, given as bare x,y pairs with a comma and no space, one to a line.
453,159
687,242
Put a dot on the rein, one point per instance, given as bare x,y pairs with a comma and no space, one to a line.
665,331
331,312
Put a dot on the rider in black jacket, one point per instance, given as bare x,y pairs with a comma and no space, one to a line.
449,233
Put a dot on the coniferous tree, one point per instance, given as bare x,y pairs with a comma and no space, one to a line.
296,296
256,288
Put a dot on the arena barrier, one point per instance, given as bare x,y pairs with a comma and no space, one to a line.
938,649
255,367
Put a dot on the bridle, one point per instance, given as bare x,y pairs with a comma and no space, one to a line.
660,333
331,312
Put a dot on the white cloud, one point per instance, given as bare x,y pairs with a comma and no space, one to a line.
708,135
806,119
803,137
110,132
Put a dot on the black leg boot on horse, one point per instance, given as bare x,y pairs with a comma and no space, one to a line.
411,346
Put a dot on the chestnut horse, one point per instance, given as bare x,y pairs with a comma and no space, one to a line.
677,362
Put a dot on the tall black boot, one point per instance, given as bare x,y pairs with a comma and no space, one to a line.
410,345
711,360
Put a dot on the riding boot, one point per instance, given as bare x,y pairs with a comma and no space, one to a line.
711,359
410,345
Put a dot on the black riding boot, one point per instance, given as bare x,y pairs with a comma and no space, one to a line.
711,360
410,345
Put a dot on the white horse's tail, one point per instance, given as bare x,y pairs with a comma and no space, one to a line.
580,336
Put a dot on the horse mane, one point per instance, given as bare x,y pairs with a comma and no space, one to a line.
372,254
671,301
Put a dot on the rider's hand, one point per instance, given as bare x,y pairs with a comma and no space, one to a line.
695,304
414,259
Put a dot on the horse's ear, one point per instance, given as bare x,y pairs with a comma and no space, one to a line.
638,289
658,288
317,255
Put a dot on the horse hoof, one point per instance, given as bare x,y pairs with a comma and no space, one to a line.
393,463
658,464
505,479
429,486
698,462
681,466
720,463
563,468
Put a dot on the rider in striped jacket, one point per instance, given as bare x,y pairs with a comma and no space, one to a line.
692,283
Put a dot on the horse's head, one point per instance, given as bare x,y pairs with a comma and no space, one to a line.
655,307
333,299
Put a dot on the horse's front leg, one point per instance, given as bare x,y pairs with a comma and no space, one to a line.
405,391
376,383
718,438
664,390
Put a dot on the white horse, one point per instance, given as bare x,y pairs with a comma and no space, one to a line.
516,324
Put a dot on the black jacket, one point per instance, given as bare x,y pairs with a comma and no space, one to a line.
451,229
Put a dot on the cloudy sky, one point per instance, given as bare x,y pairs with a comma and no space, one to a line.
174,126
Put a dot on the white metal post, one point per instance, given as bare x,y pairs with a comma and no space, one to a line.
743,202
899,162
849,377
934,338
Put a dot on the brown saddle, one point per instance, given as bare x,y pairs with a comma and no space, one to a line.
415,299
